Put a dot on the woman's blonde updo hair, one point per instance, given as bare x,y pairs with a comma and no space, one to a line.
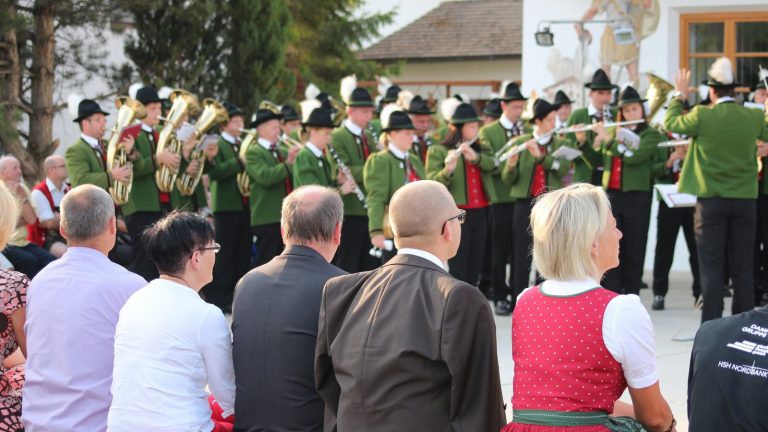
565,224
9,214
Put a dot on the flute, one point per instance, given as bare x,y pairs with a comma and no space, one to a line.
675,143
515,150
348,174
456,153
589,127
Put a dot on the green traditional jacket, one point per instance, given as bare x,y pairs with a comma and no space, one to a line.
722,159
384,174
456,181
590,158
492,138
191,203
225,196
350,151
637,169
267,183
144,196
84,166
312,170
520,177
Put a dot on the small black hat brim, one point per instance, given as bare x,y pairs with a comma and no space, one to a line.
591,86
85,116
259,121
712,83
623,103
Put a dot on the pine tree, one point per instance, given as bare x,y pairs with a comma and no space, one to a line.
256,68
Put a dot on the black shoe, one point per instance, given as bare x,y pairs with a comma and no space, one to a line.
643,285
764,300
658,303
727,292
502,309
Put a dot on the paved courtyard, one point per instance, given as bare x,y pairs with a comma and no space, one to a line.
678,321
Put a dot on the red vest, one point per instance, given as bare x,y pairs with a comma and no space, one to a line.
561,361
35,232
475,193
539,180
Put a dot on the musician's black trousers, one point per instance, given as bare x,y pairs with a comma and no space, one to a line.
668,224
233,233
269,242
502,242
725,227
632,211
468,262
353,254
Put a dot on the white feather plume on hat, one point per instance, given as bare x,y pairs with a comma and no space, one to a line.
448,108
722,71
404,99
164,92
762,74
346,87
703,91
386,113
133,89
384,84
307,106
73,102
504,85
311,91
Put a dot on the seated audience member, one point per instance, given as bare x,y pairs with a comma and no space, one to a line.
274,325
169,343
407,347
13,293
73,308
727,377
46,198
26,257
577,346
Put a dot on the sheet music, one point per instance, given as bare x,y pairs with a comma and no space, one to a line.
566,153
628,137
674,199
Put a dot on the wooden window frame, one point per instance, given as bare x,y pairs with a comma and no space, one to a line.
729,21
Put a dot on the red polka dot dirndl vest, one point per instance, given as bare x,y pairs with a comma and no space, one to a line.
561,361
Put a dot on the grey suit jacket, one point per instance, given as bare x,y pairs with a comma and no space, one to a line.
274,329
407,347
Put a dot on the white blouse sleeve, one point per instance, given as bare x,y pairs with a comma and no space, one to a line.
628,335
41,205
216,341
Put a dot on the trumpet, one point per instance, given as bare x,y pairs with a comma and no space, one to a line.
348,174
243,180
129,110
184,103
675,143
290,142
213,113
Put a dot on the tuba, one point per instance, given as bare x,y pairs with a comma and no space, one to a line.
243,180
128,111
658,90
184,103
213,113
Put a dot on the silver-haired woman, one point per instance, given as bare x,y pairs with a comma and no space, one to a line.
578,346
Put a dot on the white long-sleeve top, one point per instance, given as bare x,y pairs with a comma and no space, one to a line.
170,344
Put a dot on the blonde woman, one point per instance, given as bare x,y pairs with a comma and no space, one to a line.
577,346
13,300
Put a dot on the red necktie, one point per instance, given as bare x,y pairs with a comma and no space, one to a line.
364,143
279,157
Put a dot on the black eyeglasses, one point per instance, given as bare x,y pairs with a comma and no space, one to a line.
215,248
461,217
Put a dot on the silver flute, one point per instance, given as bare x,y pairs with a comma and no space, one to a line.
675,143
348,174
456,153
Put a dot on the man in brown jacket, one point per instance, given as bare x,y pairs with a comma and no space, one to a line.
407,346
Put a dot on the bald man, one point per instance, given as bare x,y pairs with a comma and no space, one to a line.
407,346
45,198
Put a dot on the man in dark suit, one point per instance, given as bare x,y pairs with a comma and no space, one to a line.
274,321
407,347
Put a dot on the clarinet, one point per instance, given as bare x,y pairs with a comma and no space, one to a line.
348,174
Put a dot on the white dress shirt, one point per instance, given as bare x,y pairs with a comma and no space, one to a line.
315,151
422,254
397,152
506,123
170,344
355,129
40,203
266,144
627,330
228,138
91,141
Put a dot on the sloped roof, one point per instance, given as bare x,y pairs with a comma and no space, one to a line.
466,29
